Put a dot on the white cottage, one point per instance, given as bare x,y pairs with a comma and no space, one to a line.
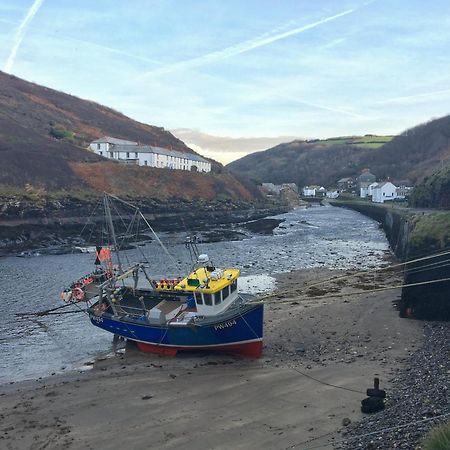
383,192
148,155
309,191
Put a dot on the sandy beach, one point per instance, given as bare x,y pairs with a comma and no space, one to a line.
213,401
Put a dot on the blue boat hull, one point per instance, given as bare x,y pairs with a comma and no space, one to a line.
241,332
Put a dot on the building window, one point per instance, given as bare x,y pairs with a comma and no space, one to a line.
100,152
128,154
136,155
111,154
98,147
145,162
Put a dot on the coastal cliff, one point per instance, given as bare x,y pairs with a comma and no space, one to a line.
415,235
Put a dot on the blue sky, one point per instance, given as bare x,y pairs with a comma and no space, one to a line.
237,76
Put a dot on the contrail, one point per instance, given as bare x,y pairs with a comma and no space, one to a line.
20,33
412,98
92,44
245,46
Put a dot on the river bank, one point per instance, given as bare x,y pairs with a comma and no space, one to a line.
57,227
282,400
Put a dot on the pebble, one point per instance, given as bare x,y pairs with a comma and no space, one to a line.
418,392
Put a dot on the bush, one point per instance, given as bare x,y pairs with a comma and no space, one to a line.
61,133
438,438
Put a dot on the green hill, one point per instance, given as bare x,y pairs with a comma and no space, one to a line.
414,154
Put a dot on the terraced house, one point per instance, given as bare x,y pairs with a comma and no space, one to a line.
131,152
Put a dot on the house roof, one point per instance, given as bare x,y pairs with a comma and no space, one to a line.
112,140
384,183
366,177
344,180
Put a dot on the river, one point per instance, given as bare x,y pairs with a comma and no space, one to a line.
321,236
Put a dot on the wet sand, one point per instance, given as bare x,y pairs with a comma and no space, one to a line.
207,401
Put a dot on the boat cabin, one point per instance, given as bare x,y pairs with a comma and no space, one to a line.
213,289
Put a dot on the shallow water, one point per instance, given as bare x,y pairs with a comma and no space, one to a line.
326,237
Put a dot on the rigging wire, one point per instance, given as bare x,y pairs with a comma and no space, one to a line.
325,383
347,294
90,216
380,269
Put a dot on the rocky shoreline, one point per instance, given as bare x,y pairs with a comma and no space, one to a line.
54,227
420,394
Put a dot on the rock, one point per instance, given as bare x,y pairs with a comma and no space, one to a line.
346,422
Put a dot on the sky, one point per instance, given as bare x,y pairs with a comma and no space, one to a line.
237,76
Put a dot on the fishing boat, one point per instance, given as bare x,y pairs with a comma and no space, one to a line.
201,311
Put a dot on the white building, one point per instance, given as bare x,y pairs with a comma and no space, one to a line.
333,194
309,191
383,192
147,155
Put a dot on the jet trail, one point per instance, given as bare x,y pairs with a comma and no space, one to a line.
245,46
20,34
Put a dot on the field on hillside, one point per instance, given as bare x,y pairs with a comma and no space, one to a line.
367,141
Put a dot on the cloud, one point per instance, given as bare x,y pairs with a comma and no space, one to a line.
20,33
245,46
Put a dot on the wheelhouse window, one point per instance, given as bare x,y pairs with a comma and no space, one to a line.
225,293
208,299
233,286
217,298
198,299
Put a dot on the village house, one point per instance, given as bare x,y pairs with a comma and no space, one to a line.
364,181
131,152
271,188
404,188
309,191
383,192
332,193
346,184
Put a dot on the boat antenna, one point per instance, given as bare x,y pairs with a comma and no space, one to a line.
191,245
111,229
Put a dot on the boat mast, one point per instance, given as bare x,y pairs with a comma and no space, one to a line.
111,229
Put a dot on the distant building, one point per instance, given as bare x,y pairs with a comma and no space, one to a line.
364,181
309,191
271,188
333,193
383,192
291,186
346,184
131,152
404,188
370,189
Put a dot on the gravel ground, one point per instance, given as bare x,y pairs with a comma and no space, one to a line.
421,393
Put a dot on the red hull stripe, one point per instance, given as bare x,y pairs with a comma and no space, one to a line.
251,349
